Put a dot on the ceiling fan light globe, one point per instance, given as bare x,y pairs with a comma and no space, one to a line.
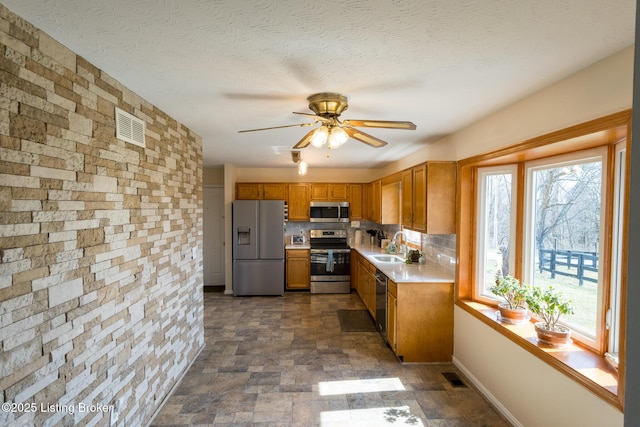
337,137
320,137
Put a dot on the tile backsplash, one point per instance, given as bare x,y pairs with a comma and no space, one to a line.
439,249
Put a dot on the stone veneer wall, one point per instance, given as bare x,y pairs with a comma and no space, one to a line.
100,298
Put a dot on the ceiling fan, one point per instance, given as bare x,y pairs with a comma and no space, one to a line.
327,107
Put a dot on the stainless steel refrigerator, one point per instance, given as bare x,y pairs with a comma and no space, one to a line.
258,247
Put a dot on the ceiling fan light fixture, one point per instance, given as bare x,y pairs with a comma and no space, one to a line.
320,136
302,168
337,137
327,107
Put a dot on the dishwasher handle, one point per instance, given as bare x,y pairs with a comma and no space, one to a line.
381,277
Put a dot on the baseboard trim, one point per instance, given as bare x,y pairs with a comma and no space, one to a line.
174,388
493,401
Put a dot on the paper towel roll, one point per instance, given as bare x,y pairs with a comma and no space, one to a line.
384,243
358,237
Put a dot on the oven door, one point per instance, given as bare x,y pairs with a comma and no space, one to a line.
330,265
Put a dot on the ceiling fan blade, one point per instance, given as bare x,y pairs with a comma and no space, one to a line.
306,140
380,124
314,117
278,127
364,137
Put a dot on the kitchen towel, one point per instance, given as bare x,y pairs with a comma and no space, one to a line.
330,261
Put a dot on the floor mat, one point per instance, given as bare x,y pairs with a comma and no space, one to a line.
356,321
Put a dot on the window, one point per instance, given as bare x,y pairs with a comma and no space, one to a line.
560,199
413,237
613,311
496,226
563,203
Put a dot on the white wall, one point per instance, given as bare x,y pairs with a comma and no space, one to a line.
313,175
604,88
229,196
519,381
522,384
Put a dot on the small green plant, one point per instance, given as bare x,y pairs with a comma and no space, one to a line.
548,304
510,288
412,256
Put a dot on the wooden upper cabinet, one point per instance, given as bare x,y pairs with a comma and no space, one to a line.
407,198
385,202
419,174
329,192
248,191
441,197
261,191
429,198
274,191
298,202
355,202
376,201
319,192
339,192
367,189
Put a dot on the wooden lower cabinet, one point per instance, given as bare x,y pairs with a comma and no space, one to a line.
420,321
365,283
392,304
298,269
354,261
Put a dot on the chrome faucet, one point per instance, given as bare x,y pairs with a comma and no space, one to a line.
402,248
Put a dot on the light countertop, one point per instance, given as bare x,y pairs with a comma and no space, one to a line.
292,246
407,273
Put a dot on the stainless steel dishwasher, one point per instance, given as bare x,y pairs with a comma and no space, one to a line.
381,304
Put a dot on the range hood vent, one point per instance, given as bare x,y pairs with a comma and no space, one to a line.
129,128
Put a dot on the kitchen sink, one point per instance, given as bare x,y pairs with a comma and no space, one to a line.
388,258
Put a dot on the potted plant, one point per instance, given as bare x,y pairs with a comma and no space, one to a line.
513,310
549,305
413,256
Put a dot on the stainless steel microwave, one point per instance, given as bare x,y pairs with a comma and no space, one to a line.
329,212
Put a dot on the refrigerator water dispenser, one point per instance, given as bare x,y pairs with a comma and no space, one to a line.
243,236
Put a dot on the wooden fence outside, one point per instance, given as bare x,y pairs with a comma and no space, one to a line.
575,263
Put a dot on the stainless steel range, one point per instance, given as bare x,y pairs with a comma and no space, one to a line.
330,268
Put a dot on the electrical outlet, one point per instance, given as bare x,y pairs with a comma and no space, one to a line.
194,253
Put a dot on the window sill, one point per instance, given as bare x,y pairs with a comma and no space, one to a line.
578,363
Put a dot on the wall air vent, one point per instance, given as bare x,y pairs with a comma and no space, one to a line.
129,128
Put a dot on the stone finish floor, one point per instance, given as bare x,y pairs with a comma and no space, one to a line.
283,361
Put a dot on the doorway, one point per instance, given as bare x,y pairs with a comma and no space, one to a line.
213,238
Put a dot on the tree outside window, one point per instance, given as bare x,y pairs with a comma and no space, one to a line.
566,223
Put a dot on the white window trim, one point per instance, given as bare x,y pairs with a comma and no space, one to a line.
481,226
613,312
600,154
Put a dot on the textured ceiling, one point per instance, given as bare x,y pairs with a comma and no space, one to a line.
227,65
